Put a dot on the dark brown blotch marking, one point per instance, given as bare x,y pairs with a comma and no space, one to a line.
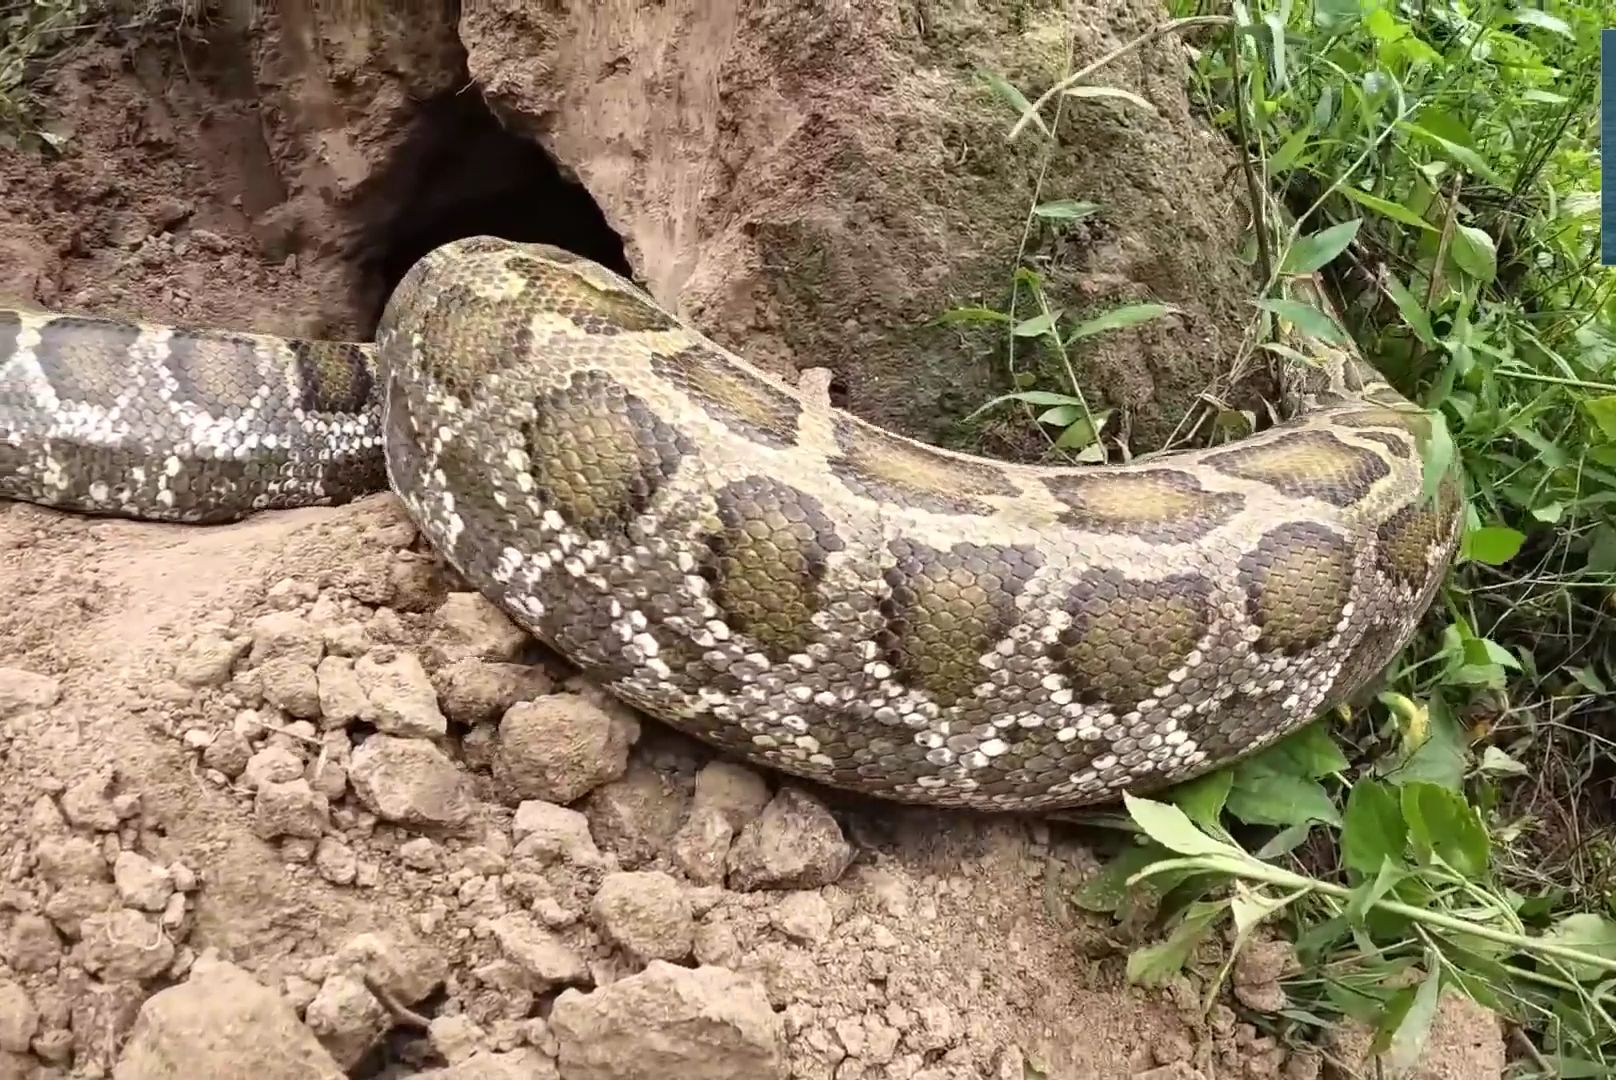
739,399
466,337
85,360
1164,505
335,376
948,608
217,371
1297,583
598,454
1407,538
1127,635
767,563
594,309
887,469
1306,463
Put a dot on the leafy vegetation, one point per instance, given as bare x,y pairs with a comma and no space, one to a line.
1437,160
29,32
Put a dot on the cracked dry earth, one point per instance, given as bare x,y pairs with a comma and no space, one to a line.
284,798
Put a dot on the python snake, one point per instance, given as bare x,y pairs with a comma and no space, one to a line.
734,557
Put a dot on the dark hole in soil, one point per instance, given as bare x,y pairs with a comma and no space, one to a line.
459,173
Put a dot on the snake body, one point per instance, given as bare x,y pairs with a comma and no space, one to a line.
741,561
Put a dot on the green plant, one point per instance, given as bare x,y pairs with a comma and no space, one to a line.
1437,161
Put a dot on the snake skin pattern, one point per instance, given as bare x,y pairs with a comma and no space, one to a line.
738,559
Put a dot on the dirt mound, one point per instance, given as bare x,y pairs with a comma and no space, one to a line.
285,796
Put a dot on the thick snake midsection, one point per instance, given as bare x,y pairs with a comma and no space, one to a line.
758,569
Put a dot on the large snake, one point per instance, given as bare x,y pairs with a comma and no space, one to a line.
740,560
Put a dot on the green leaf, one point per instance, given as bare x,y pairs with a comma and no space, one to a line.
1495,760
1395,211
972,315
1285,158
1459,155
1016,99
1474,253
1060,415
1372,890
1543,21
1492,545
1309,751
1311,252
1442,825
1413,312
1080,433
1585,932
1263,798
1031,397
1037,326
1155,964
1373,831
1602,411
1109,92
1065,210
1118,318
1169,827
1403,1032
1203,798
1307,318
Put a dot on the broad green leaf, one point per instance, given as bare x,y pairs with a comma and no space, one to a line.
1031,397
1602,411
1495,760
1492,545
1080,432
1459,155
1474,253
1290,151
1585,932
1065,209
1395,211
1109,888
1169,827
1413,312
1311,252
1373,830
1309,751
1438,453
1442,825
1109,92
1060,415
971,315
1440,757
1543,21
1202,798
1403,1032
1307,318
1155,964
1118,318
1263,798
1037,326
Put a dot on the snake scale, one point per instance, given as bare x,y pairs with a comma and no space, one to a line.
738,559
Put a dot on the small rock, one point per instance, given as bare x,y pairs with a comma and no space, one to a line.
183,876
33,944
290,685
274,764
455,1038
559,747
734,790
286,635
636,815
342,699
525,1063
88,803
408,969
803,916
399,697
68,860
419,853
646,913
229,753
346,1018
141,883
19,1019
25,691
701,846
1258,969
547,961
410,781
475,690
793,844
671,1023
215,1021
547,832
335,861
290,809
124,944
479,629
209,660
173,912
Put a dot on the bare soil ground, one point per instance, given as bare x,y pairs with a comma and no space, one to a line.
283,797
